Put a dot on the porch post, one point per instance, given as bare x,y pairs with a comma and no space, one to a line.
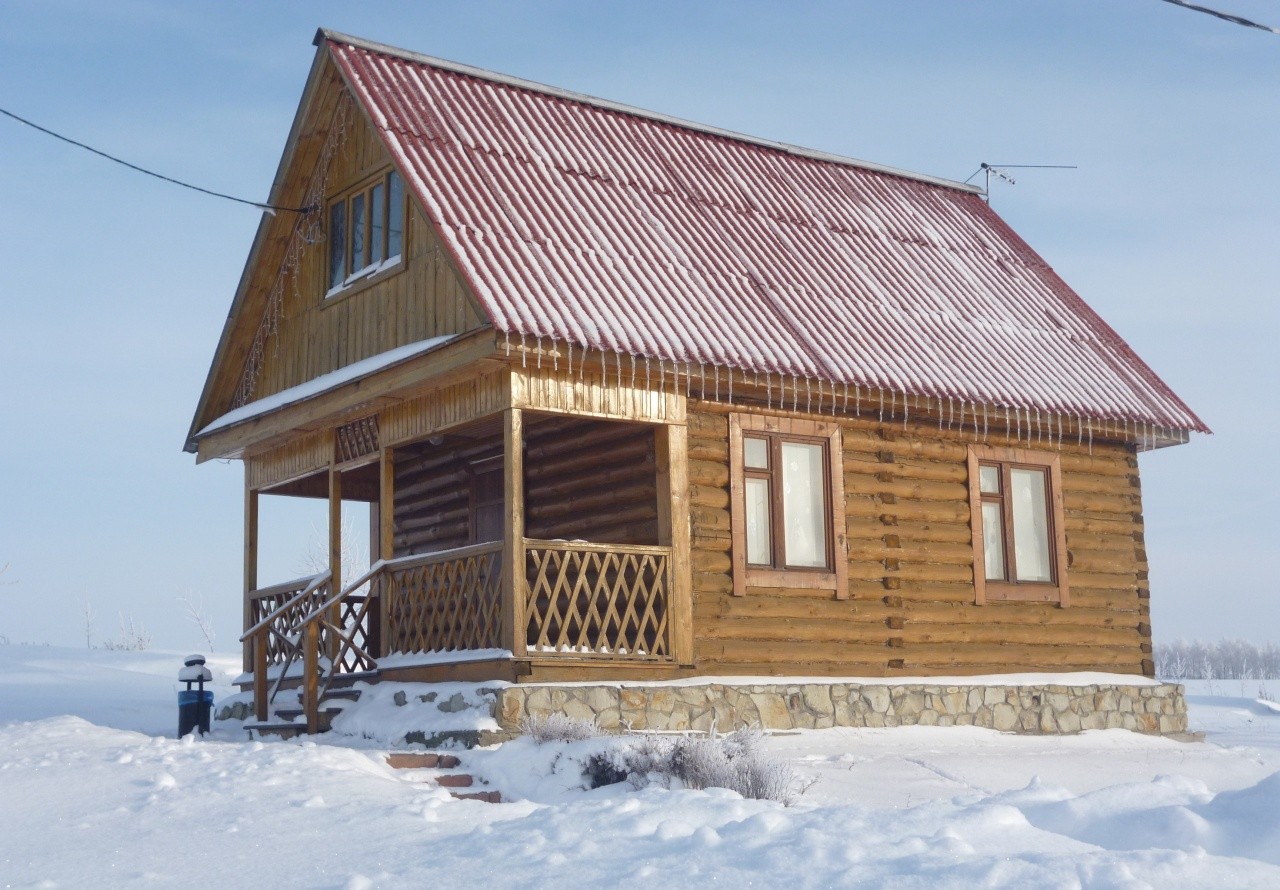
335,547
386,544
673,531
250,562
514,632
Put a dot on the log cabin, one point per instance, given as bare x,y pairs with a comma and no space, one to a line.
635,398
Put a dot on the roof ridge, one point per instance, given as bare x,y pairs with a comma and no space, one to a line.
325,34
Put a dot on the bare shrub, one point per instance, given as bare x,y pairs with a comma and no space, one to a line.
133,637
558,728
738,762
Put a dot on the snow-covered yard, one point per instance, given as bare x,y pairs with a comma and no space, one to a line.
96,791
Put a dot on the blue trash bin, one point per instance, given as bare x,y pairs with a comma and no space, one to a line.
194,707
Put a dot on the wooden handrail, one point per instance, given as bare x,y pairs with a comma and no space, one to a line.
344,593
315,583
424,559
282,587
643,549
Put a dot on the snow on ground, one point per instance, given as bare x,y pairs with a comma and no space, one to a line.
96,791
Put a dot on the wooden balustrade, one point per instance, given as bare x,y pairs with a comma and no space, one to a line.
443,602
598,600
280,615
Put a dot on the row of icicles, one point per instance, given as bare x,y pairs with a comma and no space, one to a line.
820,397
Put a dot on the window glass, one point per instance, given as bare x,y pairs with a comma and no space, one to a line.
395,217
990,479
993,540
1030,525
755,453
337,243
377,222
358,260
803,513
759,547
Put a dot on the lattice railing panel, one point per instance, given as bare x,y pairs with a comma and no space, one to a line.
598,600
287,610
444,602
347,635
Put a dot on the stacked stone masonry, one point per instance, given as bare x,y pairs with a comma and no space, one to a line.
1040,709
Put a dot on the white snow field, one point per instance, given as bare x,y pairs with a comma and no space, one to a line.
95,791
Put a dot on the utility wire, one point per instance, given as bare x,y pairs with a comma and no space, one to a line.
270,208
1225,16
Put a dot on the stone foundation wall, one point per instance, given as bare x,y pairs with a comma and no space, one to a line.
1038,709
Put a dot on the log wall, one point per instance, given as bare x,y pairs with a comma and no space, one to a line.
911,607
587,479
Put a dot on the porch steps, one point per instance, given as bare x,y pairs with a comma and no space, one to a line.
441,769
288,721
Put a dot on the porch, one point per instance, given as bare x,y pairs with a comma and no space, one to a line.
523,546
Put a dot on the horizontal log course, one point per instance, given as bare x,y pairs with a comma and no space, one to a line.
708,561
447,519
708,449
910,469
703,472
797,630
760,604
851,668
712,583
1107,543
863,506
906,490
1121,638
1099,561
909,570
1091,503
1115,463
912,551
706,496
793,656
1004,613
703,425
554,502
1103,580
1016,655
410,486
585,526
861,528
1107,524
911,667
710,540
591,454
1085,484
706,519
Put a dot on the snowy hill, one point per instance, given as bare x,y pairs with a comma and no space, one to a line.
97,792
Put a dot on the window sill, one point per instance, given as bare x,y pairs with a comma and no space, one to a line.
795,579
365,278
997,592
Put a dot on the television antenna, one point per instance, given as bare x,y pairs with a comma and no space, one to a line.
998,171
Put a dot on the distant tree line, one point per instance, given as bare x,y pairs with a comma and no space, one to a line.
1224,660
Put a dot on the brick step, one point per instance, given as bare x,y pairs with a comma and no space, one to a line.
483,796
421,760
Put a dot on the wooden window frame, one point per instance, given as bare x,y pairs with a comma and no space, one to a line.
986,590
836,576
354,279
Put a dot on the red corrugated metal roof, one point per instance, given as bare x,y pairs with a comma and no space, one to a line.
612,228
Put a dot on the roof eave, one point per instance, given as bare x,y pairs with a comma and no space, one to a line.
259,240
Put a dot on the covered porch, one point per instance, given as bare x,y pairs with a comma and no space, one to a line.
522,545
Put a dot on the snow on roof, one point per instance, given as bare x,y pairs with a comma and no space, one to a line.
325,382
591,223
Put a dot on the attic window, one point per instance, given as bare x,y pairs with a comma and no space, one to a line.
366,231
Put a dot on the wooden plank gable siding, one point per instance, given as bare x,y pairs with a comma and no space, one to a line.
911,608
424,297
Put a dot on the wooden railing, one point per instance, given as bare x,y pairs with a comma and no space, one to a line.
279,615
595,601
598,600
444,602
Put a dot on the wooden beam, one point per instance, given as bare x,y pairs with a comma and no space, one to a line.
513,558
673,531
250,566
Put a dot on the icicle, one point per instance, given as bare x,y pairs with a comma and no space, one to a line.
604,369
688,380
717,370
795,394
537,356
524,356
893,404
768,383
731,386
569,356
808,397
618,359
846,396
906,412
702,370
857,399
1091,438
819,395
985,420
555,360
633,371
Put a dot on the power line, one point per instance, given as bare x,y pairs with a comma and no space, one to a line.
1225,16
270,208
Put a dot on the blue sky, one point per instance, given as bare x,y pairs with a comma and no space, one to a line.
114,286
